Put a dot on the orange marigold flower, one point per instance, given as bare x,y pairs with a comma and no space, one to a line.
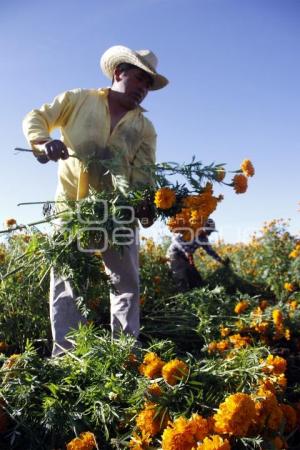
235,415
290,287
165,198
240,183
151,366
247,168
261,327
3,346
154,389
85,441
241,306
179,435
9,222
240,341
139,442
214,442
290,417
200,426
263,304
149,421
274,419
279,443
174,371
275,364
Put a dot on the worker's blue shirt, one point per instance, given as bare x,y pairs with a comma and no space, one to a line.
181,247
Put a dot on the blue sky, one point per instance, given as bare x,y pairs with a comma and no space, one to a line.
234,92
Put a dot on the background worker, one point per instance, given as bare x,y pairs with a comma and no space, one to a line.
180,255
105,124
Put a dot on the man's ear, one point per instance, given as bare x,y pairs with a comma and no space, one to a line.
117,74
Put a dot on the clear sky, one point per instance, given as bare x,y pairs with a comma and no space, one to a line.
234,91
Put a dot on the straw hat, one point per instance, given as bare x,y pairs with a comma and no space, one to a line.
144,59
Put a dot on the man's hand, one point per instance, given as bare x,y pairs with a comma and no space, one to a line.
53,151
145,212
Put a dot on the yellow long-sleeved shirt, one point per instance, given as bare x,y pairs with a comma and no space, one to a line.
84,120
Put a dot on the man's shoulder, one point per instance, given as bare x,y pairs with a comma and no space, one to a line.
148,125
87,92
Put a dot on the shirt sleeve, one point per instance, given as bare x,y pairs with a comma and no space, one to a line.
210,251
38,123
145,156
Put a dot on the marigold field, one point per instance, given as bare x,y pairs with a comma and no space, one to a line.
219,368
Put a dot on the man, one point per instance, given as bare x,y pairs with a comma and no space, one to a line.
105,124
180,254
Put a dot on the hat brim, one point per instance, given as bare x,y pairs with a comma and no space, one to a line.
120,54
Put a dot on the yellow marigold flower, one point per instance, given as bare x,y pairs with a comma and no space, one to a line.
247,168
293,305
224,331
289,287
174,371
220,174
287,334
257,312
235,415
9,222
139,442
178,435
11,361
240,183
290,417
151,366
85,441
296,252
281,381
277,317
149,421
214,442
275,364
241,306
165,198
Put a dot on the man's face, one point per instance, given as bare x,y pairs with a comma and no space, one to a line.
134,84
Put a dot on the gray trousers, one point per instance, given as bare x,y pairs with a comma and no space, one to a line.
123,269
